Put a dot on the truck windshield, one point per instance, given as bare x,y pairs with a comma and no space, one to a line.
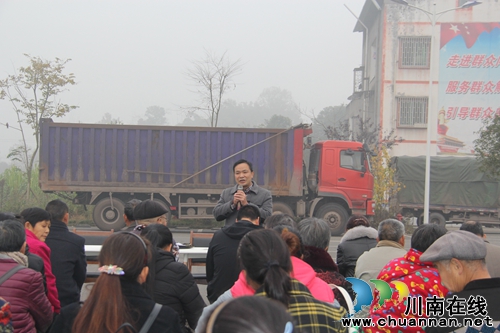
352,160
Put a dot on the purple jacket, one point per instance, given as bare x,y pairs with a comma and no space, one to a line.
31,310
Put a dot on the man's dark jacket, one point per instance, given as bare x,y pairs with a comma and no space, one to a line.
352,245
257,196
488,288
223,266
175,287
69,264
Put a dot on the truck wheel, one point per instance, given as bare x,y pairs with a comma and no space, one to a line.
107,217
282,208
167,207
437,218
335,215
420,219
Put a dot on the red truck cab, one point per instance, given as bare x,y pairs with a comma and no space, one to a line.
340,181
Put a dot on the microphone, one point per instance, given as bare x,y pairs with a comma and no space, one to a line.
240,188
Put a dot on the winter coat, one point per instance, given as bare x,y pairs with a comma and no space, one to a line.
310,314
370,263
69,263
36,264
141,303
42,250
223,266
175,287
257,196
31,310
304,273
489,289
327,270
354,242
301,272
420,278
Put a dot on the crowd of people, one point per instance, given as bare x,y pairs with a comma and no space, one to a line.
266,273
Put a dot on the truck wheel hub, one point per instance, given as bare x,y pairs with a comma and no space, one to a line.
110,214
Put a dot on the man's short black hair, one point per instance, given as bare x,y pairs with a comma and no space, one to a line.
425,235
238,162
57,209
129,208
35,215
473,226
248,212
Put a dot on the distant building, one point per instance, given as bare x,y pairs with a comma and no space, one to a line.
392,86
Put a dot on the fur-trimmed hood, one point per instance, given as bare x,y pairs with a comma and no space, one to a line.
358,232
319,259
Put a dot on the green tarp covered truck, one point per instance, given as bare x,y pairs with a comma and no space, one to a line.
459,191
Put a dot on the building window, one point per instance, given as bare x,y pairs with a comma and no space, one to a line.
414,52
412,111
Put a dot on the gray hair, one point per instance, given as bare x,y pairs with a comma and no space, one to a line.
279,219
391,229
315,232
12,236
472,265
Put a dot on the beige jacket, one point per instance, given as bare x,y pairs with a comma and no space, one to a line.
370,263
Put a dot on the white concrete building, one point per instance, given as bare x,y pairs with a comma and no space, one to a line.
392,86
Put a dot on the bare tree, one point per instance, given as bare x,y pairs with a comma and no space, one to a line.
33,95
213,75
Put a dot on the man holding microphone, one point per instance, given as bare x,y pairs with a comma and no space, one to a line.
245,192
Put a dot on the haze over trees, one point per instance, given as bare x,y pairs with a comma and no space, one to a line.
154,115
278,121
326,121
274,107
33,93
107,118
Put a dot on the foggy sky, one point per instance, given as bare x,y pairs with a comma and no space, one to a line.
128,55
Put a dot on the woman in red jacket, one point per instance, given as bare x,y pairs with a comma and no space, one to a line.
37,225
30,308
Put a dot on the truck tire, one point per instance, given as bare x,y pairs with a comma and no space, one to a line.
107,217
420,219
437,218
335,215
282,208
